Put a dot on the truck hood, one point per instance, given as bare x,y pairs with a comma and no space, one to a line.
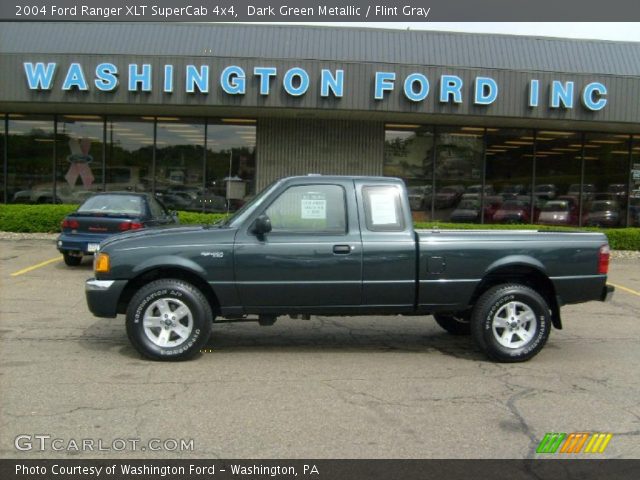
163,236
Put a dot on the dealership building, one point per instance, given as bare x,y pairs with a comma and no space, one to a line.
482,128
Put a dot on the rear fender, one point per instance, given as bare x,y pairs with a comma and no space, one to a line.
530,271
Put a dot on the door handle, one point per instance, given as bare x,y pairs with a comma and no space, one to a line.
342,249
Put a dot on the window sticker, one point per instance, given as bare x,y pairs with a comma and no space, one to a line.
314,206
383,209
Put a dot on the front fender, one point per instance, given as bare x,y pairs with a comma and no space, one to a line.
168,261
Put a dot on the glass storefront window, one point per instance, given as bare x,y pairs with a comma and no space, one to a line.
509,170
80,157
179,162
458,172
3,186
557,177
231,165
634,194
30,159
408,154
129,154
604,192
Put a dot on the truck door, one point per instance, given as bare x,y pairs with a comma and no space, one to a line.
311,258
389,247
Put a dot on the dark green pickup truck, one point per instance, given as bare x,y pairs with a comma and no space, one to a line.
343,246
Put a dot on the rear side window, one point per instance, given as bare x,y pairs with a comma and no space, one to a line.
309,209
156,209
383,209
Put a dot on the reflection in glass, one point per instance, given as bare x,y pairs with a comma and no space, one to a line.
509,157
179,163
408,154
3,190
458,170
634,194
80,157
558,166
605,194
29,163
129,154
231,166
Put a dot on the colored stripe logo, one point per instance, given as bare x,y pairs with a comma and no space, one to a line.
574,442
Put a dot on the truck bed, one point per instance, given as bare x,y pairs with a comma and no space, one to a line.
452,263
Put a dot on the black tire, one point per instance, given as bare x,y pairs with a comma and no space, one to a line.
510,304
71,260
455,324
168,296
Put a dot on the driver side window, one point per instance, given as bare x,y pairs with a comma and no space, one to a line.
309,209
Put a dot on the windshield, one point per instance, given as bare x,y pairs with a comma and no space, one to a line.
604,207
514,205
469,205
239,215
113,205
556,207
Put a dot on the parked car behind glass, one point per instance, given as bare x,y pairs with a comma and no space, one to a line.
420,197
513,211
603,213
546,191
449,196
559,212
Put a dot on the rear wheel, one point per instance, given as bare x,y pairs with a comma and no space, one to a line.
72,260
169,320
455,323
511,323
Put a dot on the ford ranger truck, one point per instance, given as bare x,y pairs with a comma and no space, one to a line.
333,245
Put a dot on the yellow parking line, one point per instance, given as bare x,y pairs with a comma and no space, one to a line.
38,265
628,290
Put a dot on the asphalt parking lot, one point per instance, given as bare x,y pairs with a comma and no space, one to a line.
364,387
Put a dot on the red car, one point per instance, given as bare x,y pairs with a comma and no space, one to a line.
513,211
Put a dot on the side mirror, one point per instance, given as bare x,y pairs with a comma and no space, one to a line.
261,225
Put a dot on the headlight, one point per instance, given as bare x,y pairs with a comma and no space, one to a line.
101,264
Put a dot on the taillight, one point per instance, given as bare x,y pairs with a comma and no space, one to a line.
73,224
124,226
603,260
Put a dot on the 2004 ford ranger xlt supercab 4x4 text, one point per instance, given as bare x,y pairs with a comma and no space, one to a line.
343,246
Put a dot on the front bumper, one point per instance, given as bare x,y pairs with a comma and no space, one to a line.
103,296
607,293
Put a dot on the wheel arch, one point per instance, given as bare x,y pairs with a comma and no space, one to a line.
168,271
530,274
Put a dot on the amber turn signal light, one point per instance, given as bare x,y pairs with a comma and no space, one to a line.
102,264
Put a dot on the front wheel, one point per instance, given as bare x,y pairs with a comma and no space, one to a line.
169,320
511,323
